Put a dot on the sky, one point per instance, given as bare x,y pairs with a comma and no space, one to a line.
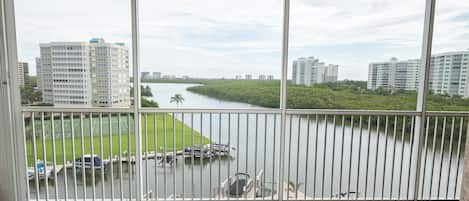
221,38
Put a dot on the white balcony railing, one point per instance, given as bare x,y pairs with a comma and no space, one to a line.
236,154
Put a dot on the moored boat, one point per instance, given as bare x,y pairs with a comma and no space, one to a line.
89,162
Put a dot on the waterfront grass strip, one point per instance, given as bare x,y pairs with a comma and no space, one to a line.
115,143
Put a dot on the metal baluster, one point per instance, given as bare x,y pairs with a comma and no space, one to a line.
210,158
119,141
333,153
219,141
433,156
72,131
101,154
111,155
425,156
54,158
155,144
385,155
450,154
247,146
289,155
350,159
315,156
192,155
229,151
64,156
367,157
456,182
183,162
412,133
265,155
324,156
307,154
359,156
82,143
441,156
393,156
341,157
164,156
34,150
44,156
376,157
402,156
174,156
26,157
237,149
298,156
202,155
273,153
145,124
255,155
129,154
92,157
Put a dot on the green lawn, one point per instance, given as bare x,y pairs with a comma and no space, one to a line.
106,138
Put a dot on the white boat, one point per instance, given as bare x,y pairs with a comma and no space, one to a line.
197,152
220,149
241,185
90,162
41,171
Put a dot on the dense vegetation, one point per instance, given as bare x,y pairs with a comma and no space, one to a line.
338,95
29,95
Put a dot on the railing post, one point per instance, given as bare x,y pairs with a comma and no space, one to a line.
423,91
283,95
13,165
136,85
464,196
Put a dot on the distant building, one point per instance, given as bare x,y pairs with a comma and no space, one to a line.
169,77
248,77
185,77
238,77
262,77
448,74
23,73
144,75
309,71
156,75
393,75
270,77
84,73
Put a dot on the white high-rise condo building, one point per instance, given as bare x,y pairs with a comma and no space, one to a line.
309,71
393,74
23,73
110,73
156,75
84,73
145,75
448,74
262,77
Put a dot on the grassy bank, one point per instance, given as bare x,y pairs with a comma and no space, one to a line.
108,140
340,95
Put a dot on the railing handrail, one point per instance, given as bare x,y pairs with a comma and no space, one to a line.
243,110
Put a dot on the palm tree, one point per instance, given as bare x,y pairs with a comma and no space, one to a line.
177,98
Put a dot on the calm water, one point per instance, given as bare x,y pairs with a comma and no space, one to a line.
340,159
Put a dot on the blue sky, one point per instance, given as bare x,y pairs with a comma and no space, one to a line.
213,38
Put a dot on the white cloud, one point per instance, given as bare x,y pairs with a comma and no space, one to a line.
224,38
